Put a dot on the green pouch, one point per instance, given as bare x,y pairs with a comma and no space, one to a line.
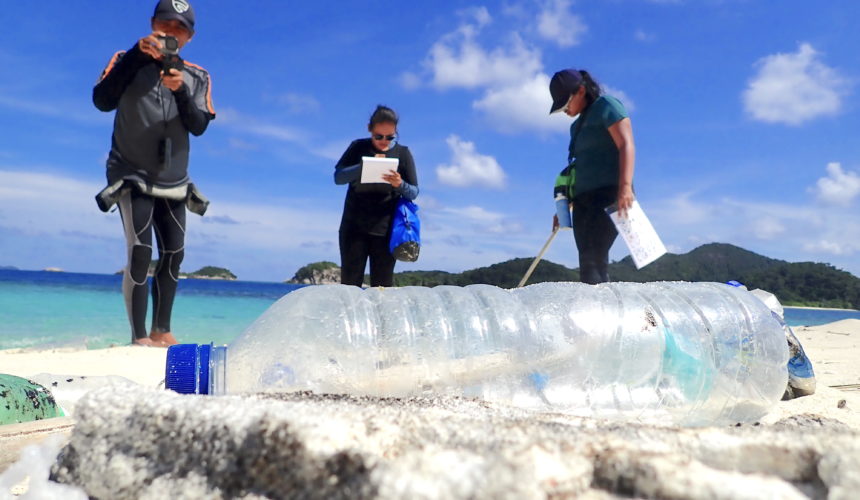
564,182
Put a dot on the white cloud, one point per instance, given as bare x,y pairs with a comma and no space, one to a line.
794,88
557,23
470,168
831,247
298,103
58,213
242,145
522,107
767,227
457,60
65,111
243,124
622,96
641,35
515,89
788,230
480,15
838,187
410,80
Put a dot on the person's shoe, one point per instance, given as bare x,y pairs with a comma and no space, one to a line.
146,342
163,339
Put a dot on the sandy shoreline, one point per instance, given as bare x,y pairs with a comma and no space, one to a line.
822,308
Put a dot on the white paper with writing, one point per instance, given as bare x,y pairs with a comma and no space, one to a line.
641,238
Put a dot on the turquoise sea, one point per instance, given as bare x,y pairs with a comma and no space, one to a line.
46,309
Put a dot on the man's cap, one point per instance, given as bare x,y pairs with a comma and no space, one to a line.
179,10
563,84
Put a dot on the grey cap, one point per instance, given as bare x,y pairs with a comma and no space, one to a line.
179,10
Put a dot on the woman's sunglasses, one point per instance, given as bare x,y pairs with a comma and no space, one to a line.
380,137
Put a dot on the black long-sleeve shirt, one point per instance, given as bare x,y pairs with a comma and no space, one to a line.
368,207
147,113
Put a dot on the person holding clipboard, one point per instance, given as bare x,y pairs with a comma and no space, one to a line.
602,153
378,170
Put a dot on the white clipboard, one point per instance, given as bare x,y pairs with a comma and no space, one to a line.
373,168
642,240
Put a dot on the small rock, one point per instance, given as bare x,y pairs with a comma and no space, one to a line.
841,404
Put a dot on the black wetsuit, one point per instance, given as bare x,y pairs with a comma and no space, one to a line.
149,116
365,227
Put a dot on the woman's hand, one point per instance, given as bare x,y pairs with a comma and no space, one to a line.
625,199
393,178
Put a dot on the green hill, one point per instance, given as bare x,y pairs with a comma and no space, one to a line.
801,283
210,273
711,262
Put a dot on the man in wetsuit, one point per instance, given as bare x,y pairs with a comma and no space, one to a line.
158,100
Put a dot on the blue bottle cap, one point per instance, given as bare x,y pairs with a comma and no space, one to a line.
187,368
736,284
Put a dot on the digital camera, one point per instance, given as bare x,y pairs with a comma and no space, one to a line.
170,54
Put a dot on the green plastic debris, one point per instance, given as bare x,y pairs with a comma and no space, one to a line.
23,400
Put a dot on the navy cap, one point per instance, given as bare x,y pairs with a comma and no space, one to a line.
179,10
563,84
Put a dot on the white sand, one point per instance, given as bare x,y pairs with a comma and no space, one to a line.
144,365
833,348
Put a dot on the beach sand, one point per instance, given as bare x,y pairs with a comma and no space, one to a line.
143,365
448,448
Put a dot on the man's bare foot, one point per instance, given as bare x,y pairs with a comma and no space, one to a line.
144,342
163,339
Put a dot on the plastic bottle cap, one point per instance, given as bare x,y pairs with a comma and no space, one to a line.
187,368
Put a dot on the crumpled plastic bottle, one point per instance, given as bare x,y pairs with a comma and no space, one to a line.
671,352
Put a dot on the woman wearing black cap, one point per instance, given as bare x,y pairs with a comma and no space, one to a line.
602,151
365,227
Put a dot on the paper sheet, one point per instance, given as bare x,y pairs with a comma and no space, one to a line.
372,168
641,238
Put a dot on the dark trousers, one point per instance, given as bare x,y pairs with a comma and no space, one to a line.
355,249
594,233
140,215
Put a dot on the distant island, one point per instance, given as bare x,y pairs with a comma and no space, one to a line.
317,273
9,268
806,284
210,273
204,273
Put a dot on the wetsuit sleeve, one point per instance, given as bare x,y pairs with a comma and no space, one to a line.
409,187
195,119
348,168
114,79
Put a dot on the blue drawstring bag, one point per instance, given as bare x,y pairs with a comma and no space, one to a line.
405,232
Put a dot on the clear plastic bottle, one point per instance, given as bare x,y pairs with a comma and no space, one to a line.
685,353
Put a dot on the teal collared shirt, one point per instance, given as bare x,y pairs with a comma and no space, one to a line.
592,146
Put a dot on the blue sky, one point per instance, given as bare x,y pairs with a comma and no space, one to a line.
745,113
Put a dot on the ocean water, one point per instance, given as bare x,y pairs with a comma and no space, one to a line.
43,309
